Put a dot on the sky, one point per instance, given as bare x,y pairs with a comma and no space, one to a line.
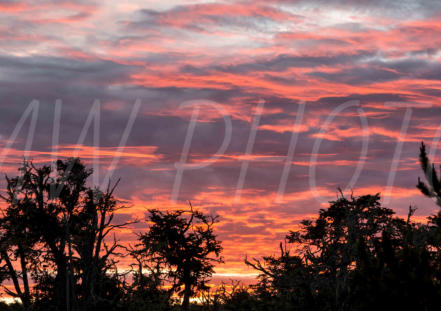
256,111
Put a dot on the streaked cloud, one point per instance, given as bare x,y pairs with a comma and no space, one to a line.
383,55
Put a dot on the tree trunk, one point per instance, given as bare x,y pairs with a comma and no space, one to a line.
25,299
187,293
61,289
27,293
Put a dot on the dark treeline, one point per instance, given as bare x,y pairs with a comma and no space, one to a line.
59,251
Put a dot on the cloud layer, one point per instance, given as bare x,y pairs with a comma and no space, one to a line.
379,60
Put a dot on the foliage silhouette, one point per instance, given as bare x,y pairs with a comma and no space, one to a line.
354,256
433,188
57,253
185,247
54,227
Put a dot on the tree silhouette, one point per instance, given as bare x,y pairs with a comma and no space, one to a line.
183,243
55,222
147,290
17,252
354,256
57,252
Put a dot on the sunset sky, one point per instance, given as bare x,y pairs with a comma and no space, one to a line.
331,83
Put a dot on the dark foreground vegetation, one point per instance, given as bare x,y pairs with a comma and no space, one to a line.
59,252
